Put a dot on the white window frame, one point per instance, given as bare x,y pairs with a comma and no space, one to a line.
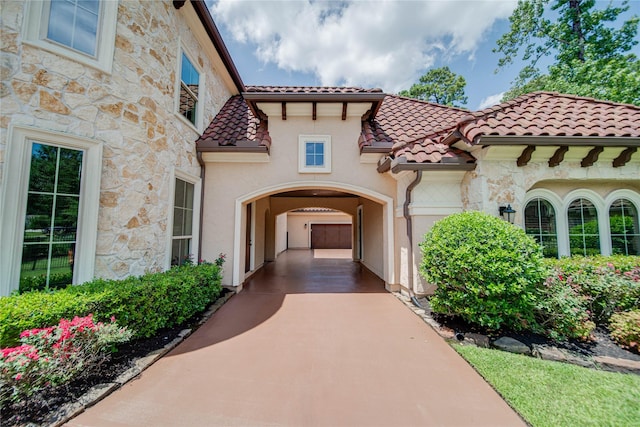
302,158
602,205
198,126
602,215
562,230
628,195
15,182
34,32
195,228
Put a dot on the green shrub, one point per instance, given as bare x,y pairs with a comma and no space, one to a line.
625,329
561,311
143,304
486,270
608,284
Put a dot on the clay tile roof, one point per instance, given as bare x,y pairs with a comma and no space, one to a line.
432,150
236,126
309,89
401,120
552,114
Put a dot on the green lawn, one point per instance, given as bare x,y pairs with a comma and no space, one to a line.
549,393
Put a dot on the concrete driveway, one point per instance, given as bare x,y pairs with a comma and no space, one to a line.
311,341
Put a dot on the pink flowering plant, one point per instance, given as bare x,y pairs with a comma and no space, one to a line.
51,356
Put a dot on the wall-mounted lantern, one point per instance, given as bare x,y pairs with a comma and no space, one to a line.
507,213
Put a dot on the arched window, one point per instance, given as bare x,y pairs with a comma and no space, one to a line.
540,223
625,233
584,237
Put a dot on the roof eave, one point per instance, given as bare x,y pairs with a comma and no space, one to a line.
210,27
202,148
400,164
546,140
312,97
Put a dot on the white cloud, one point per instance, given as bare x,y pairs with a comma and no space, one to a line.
386,44
490,100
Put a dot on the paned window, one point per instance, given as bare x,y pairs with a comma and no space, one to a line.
182,222
74,23
584,235
314,154
625,233
540,223
51,220
81,30
189,88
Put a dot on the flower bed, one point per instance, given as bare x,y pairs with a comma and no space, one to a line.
143,304
48,357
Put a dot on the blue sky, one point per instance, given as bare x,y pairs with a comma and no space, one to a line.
386,44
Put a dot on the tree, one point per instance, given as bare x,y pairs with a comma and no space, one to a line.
591,56
439,85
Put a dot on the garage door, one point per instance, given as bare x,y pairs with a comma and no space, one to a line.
331,236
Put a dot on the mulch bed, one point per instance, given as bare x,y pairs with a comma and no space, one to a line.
600,343
36,409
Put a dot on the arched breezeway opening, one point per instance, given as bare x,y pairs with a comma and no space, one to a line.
257,238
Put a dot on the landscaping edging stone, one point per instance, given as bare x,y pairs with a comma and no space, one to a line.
544,352
100,391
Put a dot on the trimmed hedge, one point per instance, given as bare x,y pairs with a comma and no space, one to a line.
144,304
486,270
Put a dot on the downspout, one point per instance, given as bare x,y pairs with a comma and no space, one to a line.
407,217
202,172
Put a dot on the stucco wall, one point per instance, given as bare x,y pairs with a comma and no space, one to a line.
131,110
280,173
372,239
281,233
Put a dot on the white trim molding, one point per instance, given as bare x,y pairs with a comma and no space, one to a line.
14,193
195,228
34,33
601,204
603,216
325,140
198,125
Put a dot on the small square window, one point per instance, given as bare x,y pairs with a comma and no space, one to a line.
314,154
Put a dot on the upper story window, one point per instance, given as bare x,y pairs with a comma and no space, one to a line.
189,90
625,233
74,23
314,154
81,30
540,223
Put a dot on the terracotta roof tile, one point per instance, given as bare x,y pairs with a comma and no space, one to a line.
553,114
235,125
401,120
309,89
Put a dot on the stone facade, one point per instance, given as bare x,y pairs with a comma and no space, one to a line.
131,111
497,180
